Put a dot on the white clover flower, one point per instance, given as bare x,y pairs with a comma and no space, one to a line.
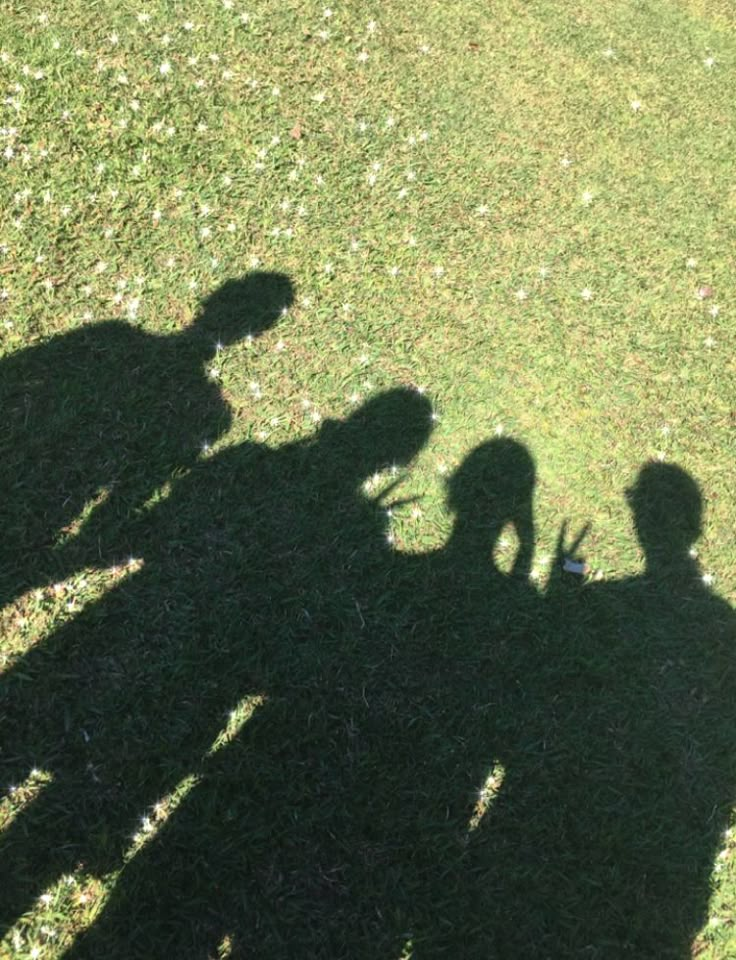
587,197
372,26
165,68
482,209
708,579
586,293
709,62
565,162
635,105
521,294
362,56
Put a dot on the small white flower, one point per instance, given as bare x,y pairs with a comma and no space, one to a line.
586,293
521,294
320,97
708,579
372,26
565,162
327,13
609,53
328,268
691,263
499,430
362,56
635,105
188,25
587,197
276,91
709,62
438,271
390,122
482,210
544,272
714,310
165,68
709,342
394,271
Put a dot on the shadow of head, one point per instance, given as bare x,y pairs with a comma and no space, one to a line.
667,506
494,486
388,430
247,306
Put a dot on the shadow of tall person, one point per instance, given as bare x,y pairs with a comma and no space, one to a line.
261,570
603,837
105,415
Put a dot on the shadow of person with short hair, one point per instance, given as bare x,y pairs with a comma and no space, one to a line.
96,420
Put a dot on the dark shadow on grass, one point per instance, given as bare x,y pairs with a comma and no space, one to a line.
334,709
109,413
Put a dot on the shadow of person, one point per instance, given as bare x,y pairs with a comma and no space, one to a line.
364,719
260,571
481,619
603,837
96,420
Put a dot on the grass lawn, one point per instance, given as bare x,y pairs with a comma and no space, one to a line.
324,331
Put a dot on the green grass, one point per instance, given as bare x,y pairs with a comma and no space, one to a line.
351,730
